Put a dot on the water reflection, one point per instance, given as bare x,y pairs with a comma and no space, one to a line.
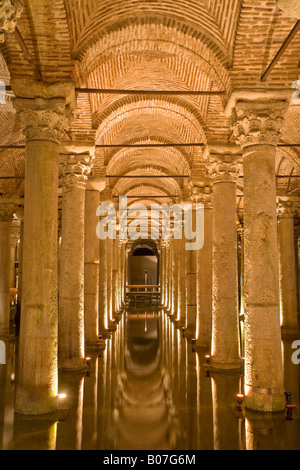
148,390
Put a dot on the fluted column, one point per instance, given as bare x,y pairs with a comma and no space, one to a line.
91,263
74,170
44,120
287,266
204,274
6,217
224,169
257,127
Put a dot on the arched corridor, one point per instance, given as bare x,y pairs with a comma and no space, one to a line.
149,224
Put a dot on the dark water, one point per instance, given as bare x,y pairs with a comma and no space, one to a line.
148,391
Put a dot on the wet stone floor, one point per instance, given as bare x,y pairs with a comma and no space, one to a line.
148,391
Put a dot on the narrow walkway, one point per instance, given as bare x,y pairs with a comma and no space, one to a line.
148,391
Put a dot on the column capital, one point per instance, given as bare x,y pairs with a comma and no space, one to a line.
74,169
10,11
203,195
44,109
285,209
43,119
224,167
258,122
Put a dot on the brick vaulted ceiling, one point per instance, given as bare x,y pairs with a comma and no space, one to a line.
211,45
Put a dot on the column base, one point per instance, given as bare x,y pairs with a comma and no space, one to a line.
236,365
96,346
264,400
72,366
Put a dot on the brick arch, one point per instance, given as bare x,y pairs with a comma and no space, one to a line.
172,113
193,18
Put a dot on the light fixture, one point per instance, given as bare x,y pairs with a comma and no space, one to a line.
239,402
87,362
61,401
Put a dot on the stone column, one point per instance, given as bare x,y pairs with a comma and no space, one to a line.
191,282
162,270
74,169
223,163
115,285
91,264
103,297
167,274
6,217
204,273
14,239
182,303
109,248
44,113
170,277
257,126
176,278
287,266
20,215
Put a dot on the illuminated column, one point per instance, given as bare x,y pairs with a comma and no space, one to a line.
122,281
241,245
20,215
204,273
6,216
287,266
167,271
170,276
110,281
103,297
240,231
257,129
191,282
176,278
44,120
115,251
162,270
91,263
75,169
223,162
182,304
14,239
